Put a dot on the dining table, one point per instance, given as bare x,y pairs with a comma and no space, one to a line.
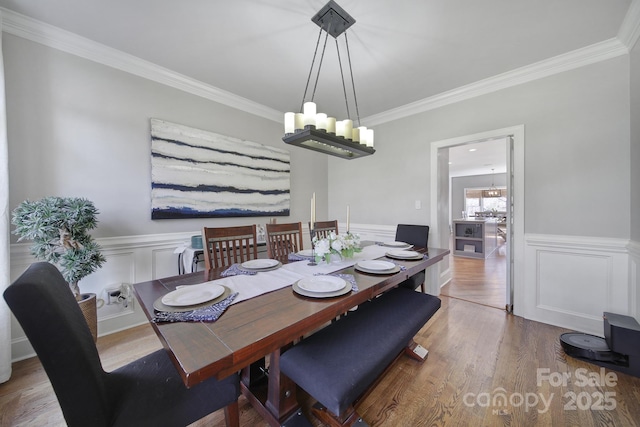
269,315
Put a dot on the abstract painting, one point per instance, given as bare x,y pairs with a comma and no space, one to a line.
201,174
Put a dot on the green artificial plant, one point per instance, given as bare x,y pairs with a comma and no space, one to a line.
59,229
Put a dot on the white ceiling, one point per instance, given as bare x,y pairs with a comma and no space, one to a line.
402,51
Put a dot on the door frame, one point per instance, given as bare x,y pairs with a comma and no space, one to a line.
515,227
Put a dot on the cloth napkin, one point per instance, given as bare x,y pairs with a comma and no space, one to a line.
209,313
235,269
295,257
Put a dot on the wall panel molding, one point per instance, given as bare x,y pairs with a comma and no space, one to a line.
571,280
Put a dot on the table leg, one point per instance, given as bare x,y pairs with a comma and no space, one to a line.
273,395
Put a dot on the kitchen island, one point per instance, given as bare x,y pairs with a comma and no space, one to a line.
475,237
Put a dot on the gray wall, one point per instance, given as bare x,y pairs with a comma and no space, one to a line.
635,143
458,184
78,128
576,146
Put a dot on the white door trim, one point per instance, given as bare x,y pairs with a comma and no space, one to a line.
518,244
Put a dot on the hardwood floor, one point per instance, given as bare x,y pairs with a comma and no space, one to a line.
476,355
482,281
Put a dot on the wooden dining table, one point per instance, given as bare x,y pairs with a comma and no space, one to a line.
251,334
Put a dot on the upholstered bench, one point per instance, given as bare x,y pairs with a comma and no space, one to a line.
340,362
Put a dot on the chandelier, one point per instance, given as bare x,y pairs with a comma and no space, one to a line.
492,191
317,131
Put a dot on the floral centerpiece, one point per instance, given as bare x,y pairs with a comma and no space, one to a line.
343,245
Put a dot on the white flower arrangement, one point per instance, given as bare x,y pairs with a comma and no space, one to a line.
344,245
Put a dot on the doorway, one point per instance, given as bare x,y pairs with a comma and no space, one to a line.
478,201
441,205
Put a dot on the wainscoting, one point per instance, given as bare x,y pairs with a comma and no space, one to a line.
569,281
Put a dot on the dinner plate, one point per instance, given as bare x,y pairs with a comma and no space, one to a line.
404,254
260,264
364,267
397,244
345,290
321,284
376,265
192,295
159,306
305,252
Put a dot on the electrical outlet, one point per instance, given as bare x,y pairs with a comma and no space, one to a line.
418,204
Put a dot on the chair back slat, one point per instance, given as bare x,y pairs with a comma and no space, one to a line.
225,246
322,229
283,239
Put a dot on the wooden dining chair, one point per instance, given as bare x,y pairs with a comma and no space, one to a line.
225,246
283,239
145,392
417,235
324,228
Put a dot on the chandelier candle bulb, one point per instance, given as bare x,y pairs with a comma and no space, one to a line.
331,125
370,138
321,121
299,121
355,134
348,128
289,123
363,135
309,111
340,128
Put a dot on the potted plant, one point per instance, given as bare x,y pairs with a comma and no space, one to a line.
59,229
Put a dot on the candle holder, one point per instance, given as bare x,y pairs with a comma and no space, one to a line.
313,248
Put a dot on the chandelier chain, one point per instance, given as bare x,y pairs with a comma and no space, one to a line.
313,61
353,83
344,87
324,47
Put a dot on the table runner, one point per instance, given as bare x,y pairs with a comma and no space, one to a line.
267,281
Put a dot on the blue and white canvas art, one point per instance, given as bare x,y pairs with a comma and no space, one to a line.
201,174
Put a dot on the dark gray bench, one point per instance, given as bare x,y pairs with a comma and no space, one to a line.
340,362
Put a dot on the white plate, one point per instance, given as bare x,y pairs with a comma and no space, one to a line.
404,254
259,264
321,284
376,265
345,290
306,252
397,244
192,295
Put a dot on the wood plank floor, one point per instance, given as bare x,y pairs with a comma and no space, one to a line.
476,354
482,281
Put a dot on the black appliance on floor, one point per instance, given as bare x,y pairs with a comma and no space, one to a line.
619,350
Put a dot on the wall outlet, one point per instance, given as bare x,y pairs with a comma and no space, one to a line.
418,204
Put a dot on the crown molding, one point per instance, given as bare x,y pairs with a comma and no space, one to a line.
48,35
575,59
630,29
54,37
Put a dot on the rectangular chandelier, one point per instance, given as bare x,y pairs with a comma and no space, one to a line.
316,131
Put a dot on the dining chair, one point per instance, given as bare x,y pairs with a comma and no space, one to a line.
417,235
322,229
225,246
147,391
283,239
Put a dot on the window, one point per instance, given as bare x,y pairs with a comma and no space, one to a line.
474,202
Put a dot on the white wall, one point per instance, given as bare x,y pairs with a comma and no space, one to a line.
635,171
577,145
